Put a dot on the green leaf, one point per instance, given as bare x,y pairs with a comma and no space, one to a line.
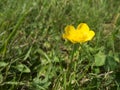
40,51
23,68
1,78
100,59
111,64
3,64
28,54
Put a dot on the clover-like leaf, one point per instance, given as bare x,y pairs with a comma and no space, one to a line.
100,59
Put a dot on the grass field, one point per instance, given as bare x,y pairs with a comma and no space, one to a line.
34,56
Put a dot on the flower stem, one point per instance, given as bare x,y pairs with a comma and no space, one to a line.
86,51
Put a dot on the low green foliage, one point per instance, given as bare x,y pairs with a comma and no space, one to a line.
33,55
100,59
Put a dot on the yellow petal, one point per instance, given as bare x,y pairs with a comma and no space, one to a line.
70,33
69,29
83,27
91,35
63,36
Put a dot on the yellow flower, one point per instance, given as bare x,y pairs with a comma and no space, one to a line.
79,35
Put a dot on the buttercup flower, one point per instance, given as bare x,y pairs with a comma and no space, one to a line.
79,35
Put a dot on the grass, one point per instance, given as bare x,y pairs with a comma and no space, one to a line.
33,56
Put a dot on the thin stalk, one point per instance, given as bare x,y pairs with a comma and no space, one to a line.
65,82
